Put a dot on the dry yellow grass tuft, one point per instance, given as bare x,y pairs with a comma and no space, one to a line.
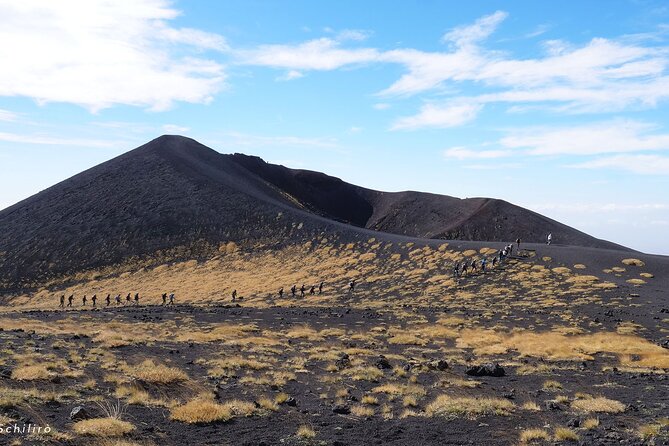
362,411
590,423
529,435
598,404
306,432
636,281
647,275
565,434
447,405
552,385
103,427
635,262
32,372
201,410
150,372
531,406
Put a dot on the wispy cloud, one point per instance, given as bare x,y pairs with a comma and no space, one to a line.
618,136
463,153
639,164
173,128
431,115
8,116
100,53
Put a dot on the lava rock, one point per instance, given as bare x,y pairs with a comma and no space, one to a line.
382,363
343,362
552,405
79,413
341,409
488,369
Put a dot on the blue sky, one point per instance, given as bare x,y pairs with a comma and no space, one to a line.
558,107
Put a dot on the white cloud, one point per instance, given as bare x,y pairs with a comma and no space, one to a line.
172,128
639,164
354,130
381,106
592,139
479,30
102,52
353,34
55,141
322,54
463,153
8,116
431,115
290,75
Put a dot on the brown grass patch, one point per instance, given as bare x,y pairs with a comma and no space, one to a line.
201,410
32,372
103,427
635,262
150,372
529,435
599,405
447,405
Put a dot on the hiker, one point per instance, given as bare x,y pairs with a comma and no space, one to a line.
509,248
302,289
483,262
62,301
280,292
69,300
473,265
234,295
94,298
312,290
351,286
108,299
456,270
320,288
494,260
464,268
164,298
136,298
83,300
118,299
518,243
549,238
128,298
293,290
171,298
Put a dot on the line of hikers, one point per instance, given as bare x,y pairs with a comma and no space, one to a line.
129,300
460,269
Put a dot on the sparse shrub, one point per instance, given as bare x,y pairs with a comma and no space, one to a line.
150,372
447,405
201,410
362,411
590,423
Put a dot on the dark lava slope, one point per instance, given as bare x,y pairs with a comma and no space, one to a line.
177,197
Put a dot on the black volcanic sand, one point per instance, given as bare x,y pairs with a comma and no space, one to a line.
317,383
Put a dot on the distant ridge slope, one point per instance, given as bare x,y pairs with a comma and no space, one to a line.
177,197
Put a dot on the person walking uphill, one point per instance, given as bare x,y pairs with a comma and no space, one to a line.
108,299
234,295
136,298
94,299
69,300
549,238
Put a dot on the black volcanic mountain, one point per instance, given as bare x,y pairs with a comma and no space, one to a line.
176,197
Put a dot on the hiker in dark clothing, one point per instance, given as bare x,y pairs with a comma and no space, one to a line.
456,270
136,298
312,290
302,289
351,286
164,298
473,265
483,262
62,301
494,260
234,295
464,268
118,299
320,288
280,292
171,298
83,300
128,298
69,300
108,299
518,243
94,299
293,290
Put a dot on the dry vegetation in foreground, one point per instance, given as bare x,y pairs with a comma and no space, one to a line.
446,405
201,410
103,427
598,404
